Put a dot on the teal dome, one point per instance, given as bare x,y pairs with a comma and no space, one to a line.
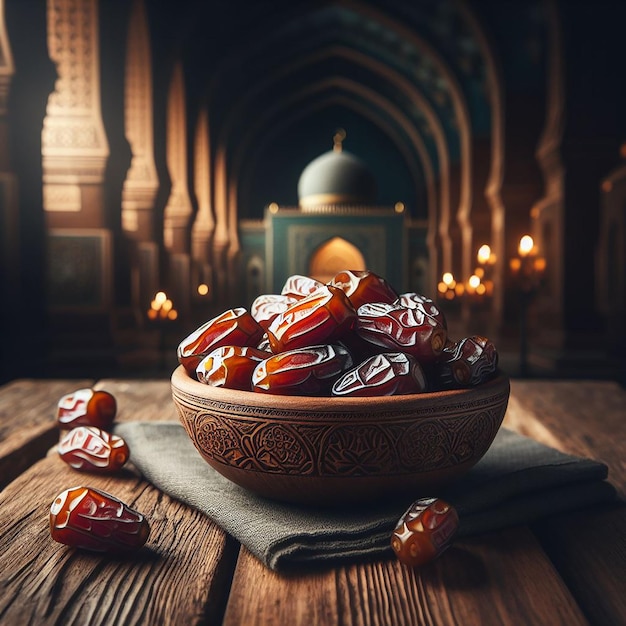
336,177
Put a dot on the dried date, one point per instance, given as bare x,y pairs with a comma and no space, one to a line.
235,327
414,300
323,317
266,307
402,329
87,518
363,287
307,371
298,286
385,374
93,449
424,531
86,407
230,367
468,362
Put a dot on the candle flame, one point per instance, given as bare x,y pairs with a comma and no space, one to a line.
484,253
474,281
526,244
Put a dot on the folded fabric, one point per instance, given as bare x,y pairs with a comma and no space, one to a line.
517,481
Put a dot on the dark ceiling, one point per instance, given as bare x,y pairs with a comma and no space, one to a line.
278,78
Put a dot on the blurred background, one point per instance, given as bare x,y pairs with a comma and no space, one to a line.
161,162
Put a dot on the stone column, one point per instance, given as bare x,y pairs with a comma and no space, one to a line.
178,209
204,224
9,218
142,182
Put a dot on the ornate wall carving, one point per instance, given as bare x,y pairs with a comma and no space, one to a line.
74,144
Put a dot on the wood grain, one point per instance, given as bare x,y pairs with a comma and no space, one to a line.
473,583
28,422
587,418
564,570
181,576
589,550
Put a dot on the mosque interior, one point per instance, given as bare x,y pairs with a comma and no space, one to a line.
163,162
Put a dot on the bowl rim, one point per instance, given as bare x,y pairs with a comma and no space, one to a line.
183,382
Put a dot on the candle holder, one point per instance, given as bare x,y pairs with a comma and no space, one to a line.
479,287
161,315
528,269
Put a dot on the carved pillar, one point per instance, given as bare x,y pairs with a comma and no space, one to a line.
220,237
178,209
235,292
9,222
142,182
547,214
7,69
204,224
74,144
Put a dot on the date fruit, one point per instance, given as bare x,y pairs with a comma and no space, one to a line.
413,300
86,407
385,374
424,531
298,286
266,307
468,362
234,327
363,287
87,518
230,367
93,449
307,371
402,329
323,317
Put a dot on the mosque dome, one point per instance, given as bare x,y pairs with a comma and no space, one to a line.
336,178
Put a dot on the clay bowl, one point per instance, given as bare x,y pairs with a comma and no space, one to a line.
328,451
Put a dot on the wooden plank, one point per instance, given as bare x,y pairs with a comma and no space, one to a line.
181,576
28,422
589,550
587,418
501,578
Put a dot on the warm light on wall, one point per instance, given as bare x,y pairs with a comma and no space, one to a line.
273,207
399,207
203,289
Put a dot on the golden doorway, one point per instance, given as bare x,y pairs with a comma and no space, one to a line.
332,257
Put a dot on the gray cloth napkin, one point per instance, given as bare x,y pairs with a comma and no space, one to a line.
518,481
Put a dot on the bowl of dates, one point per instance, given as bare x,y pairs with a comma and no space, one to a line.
338,393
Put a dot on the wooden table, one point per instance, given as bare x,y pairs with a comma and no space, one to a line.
566,570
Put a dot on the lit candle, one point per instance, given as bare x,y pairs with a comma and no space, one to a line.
484,254
526,245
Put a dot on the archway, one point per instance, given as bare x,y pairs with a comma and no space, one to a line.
332,257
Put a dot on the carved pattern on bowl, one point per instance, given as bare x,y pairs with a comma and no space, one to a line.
284,442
